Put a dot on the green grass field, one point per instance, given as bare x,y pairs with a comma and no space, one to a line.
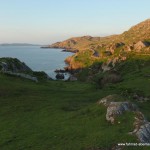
62,115
59,115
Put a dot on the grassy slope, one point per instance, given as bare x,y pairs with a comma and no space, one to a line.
136,78
60,115
63,115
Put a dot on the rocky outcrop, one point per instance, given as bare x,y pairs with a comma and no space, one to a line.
108,99
111,63
140,98
118,108
139,45
70,50
22,75
14,65
115,108
106,67
129,48
60,76
60,71
141,128
112,47
73,65
96,54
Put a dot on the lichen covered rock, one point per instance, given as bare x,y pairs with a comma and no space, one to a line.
139,45
142,128
141,125
13,65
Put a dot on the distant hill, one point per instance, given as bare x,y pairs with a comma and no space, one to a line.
18,44
138,32
76,42
80,43
91,49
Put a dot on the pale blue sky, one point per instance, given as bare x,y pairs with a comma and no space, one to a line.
48,21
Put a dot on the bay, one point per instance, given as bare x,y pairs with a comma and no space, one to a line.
38,59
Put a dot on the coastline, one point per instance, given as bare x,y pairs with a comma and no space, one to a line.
64,49
34,56
68,68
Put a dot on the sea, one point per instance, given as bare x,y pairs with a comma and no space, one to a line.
38,59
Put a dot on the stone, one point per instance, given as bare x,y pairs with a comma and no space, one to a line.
60,76
139,45
96,54
141,128
140,98
106,67
118,108
141,125
13,65
115,108
22,75
106,100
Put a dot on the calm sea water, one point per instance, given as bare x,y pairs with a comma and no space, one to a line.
37,59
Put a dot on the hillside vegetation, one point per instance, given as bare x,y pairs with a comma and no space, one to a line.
136,33
135,40
65,115
107,105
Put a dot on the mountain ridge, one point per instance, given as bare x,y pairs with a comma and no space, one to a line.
75,42
115,47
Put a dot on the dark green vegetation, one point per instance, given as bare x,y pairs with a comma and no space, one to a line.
64,115
84,57
55,115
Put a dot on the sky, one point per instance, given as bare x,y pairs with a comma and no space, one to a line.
49,21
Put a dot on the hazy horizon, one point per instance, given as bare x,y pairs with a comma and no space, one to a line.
48,21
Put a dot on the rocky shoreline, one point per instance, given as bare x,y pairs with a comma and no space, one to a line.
65,49
68,68
14,67
71,50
